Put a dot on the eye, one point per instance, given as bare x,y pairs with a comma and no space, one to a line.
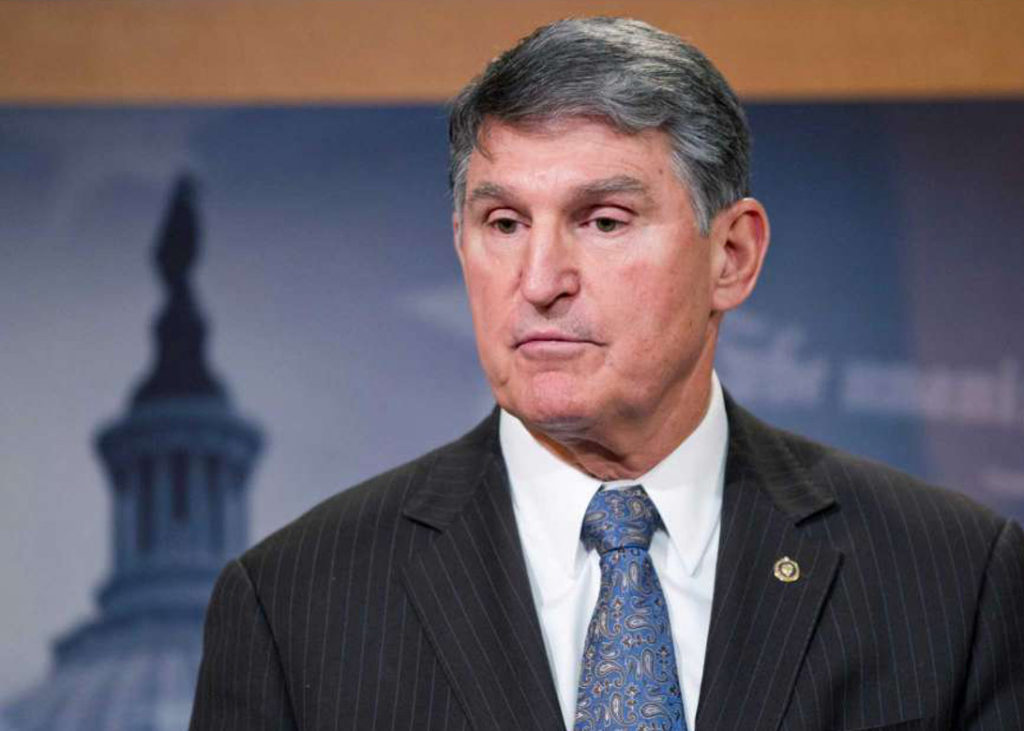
505,226
607,225
606,219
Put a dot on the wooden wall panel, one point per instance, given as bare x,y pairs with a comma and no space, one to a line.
276,51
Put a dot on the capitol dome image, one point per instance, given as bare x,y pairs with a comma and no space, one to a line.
178,462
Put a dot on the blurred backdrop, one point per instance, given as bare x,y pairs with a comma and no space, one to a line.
227,288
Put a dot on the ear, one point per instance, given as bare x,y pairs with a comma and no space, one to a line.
739,242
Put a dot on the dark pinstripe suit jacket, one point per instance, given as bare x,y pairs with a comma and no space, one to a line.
404,603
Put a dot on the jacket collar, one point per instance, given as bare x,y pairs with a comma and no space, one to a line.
761,455
456,472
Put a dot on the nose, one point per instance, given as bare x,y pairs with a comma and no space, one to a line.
550,270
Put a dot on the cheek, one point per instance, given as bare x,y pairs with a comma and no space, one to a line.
660,313
484,292
487,307
650,300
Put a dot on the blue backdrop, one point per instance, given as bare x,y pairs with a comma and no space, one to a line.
887,321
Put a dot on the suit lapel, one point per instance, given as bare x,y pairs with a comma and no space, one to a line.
471,591
761,626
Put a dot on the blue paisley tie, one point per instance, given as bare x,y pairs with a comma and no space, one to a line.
628,677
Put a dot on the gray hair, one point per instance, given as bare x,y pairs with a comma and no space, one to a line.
628,73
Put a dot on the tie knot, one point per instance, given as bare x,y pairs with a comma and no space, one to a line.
623,518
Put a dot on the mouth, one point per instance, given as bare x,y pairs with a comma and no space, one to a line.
550,345
547,336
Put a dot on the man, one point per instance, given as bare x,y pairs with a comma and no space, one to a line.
619,545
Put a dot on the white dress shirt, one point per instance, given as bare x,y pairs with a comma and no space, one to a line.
550,498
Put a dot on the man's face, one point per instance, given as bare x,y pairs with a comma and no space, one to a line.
588,280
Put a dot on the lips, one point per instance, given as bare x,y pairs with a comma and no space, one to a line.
550,346
547,337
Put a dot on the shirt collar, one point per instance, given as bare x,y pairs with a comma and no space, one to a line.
551,497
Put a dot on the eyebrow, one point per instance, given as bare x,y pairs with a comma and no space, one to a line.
614,184
488,190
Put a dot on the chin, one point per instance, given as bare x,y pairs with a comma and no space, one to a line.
552,407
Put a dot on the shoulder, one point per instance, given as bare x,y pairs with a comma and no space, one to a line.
876,505
353,519
853,477
346,513
870,488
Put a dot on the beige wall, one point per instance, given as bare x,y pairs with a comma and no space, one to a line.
277,51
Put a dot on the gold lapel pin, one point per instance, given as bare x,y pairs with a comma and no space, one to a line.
787,570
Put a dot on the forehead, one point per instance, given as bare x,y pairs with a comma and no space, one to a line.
568,152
